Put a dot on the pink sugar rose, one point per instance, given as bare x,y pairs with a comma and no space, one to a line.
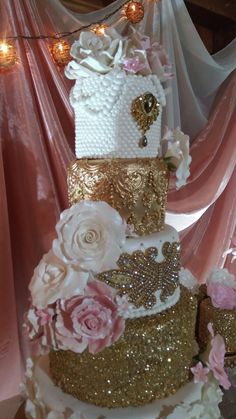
39,328
222,296
200,373
216,359
133,65
159,61
90,320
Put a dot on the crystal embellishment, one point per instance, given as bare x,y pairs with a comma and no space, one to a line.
140,276
145,110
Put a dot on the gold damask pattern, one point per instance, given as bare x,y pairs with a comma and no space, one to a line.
140,276
150,361
137,188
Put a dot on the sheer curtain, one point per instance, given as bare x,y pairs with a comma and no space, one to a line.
37,143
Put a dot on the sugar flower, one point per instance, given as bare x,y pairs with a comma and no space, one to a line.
221,288
99,54
222,276
90,320
38,327
54,279
175,150
133,65
151,53
187,279
95,54
200,373
90,235
216,359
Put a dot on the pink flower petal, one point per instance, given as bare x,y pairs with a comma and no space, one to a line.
200,373
90,320
216,359
222,296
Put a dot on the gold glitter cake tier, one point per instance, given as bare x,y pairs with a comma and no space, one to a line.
224,323
137,188
150,361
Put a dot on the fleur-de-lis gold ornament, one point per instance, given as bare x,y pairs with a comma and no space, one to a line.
139,275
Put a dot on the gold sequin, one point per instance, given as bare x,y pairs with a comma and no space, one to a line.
140,276
150,361
224,323
137,188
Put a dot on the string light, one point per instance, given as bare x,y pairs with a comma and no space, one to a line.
61,52
99,29
60,35
134,11
7,55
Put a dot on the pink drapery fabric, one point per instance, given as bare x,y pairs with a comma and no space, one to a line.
37,135
10,366
212,185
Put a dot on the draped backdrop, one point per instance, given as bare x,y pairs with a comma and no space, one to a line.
37,144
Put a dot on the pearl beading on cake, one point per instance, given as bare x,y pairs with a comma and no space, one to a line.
104,125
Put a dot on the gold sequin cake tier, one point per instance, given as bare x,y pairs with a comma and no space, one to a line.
150,361
137,188
224,323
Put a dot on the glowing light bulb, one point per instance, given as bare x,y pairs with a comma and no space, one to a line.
4,48
134,11
7,55
61,52
100,29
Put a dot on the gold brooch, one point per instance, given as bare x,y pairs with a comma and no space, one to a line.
140,276
145,110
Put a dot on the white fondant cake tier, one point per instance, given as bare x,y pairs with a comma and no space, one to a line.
45,400
168,234
104,125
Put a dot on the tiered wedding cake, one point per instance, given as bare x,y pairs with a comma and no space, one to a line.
110,300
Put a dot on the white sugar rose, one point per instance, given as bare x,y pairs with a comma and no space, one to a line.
54,279
95,53
189,281
90,234
177,153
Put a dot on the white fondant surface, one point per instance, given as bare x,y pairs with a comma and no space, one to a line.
104,125
168,234
45,400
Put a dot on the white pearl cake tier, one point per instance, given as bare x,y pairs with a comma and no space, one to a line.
45,400
105,121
